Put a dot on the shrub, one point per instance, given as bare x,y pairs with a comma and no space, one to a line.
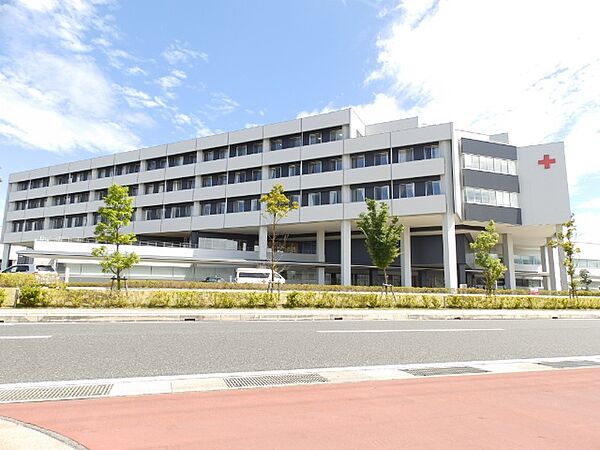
2,296
31,296
16,279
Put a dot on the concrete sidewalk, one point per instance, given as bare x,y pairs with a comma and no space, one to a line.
16,435
171,315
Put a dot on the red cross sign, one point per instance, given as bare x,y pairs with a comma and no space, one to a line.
546,161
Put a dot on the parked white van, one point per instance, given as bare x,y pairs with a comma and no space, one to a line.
250,275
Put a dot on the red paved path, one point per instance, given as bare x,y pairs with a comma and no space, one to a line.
554,409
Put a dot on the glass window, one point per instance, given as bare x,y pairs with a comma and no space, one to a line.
382,192
335,197
294,198
295,141
293,170
431,151
407,190
154,213
433,188
207,181
381,158
255,204
358,194
256,174
315,138
336,135
405,155
275,172
239,177
257,147
238,206
220,208
314,199
358,161
315,167
276,144
205,210
335,164
241,150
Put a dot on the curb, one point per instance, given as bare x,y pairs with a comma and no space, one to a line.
131,315
122,387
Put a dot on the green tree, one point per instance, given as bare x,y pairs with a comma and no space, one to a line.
277,207
564,239
114,216
585,279
382,235
492,267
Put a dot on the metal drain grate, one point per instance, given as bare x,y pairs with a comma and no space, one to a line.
54,393
274,380
567,364
432,371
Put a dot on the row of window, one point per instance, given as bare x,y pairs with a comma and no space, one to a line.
587,263
491,197
489,164
528,259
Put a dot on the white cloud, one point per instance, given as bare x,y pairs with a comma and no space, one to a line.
494,66
173,80
135,70
180,52
222,103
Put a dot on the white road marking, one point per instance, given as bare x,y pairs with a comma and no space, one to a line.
9,338
433,330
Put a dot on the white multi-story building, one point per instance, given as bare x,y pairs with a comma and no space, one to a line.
198,211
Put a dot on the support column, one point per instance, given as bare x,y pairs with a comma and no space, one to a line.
545,269
562,270
508,252
449,245
321,256
552,270
405,258
5,256
262,242
346,255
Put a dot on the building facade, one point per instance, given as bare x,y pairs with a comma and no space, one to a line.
198,214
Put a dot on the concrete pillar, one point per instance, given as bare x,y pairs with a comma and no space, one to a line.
510,278
552,268
562,270
321,256
405,258
262,242
5,256
346,256
67,273
545,269
449,245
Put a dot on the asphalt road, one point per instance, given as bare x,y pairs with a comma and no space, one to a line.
47,352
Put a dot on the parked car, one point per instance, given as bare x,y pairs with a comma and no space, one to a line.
44,273
262,276
216,279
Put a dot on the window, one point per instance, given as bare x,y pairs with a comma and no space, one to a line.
276,144
239,177
156,163
76,221
489,164
314,167
153,213
295,141
275,172
177,211
22,185
239,150
358,161
77,177
255,204
407,190
17,227
59,200
294,198
490,197
105,172
34,225
294,169
256,174
314,199
62,179
20,205
257,147
180,184
336,135
315,138
358,194
182,159
433,187
335,164
406,155
39,183
431,151
220,208
205,209
214,154
36,203
207,181
57,223
238,206
125,169
133,190
335,197
154,188
382,158
382,192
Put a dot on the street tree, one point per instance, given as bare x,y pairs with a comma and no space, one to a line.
382,235
277,207
585,279
492,267
114,216
565,240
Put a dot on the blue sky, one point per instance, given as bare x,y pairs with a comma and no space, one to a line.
82,78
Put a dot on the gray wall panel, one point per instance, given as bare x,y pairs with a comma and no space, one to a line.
488,149
497,213
488,180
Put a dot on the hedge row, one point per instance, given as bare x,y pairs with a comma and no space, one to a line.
2,296
36,296
13,280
